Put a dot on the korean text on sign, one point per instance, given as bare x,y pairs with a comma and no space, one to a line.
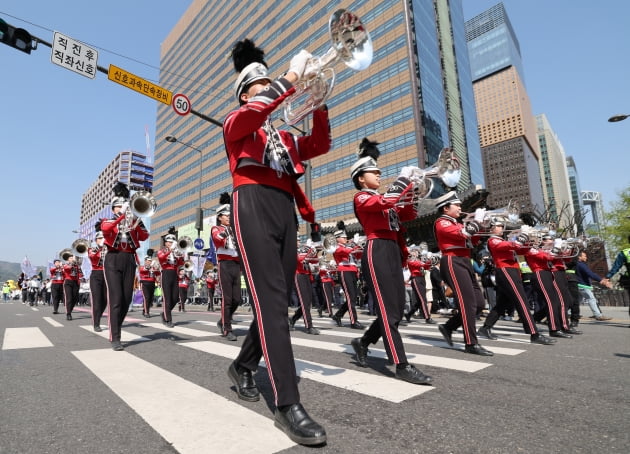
138,84
74,55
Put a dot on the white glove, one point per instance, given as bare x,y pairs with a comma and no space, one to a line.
407,171
124,207
480,214
298,63
557,243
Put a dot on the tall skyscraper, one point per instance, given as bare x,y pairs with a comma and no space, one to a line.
129,167
557,190
507,132
576,194
415,99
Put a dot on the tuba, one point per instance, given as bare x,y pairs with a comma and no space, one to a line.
80,247
141,205
351,43
65,254
185,244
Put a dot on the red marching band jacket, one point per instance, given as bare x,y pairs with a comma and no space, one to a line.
120,241
211,282
346,257
183,281
56,274
505,253
324,275
147,273
451,237
96,255
416,267
540,260
246,133
72,272
223,240
304,259
168,260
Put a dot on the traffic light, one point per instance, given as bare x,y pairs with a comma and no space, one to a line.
18,38
199,219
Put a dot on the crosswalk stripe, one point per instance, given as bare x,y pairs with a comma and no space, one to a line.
181,330
365,383
125,336
53,322
423,360
29,337
190,417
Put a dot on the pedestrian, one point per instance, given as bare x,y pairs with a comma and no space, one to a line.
98,289
454,240
6,291
229,266
265,164
585,275
123,234
385,251
622,259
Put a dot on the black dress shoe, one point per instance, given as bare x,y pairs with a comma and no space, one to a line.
230,336
68,316
477,349
487,333
408,317
312,330
55,312
97,328
560,334
246,388
412,375
337,320
572,331
430,321
117,346
298,425
291,324
360,351
542,340
446,333
357,325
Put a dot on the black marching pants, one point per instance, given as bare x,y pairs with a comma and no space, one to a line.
56,294
170,293
304,292
148,291
230,279
70,294
546,288
457,272
98,295
268,254
120,271
386,282
348,281
419,297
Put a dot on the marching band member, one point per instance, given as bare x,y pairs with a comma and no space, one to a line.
148,274
454,241
123,234
211,283
417,267
382,261
72,274
540,260
170,261
346,255
509,284
56,287
559,272
327,284
265,164
304,288
183,282
98,289
229,266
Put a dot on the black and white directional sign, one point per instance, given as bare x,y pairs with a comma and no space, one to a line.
74,55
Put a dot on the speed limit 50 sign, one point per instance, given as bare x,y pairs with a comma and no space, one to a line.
181,104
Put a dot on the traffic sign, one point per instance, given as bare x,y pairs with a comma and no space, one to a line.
74,55
199,244
181,104
129,80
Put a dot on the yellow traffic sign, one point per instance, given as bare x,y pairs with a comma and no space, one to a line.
129,80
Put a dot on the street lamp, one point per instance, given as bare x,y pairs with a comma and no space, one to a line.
199,214
620,117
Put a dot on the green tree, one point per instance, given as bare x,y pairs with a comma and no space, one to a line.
616,227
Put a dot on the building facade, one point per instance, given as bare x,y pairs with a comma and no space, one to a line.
576,194
504,114
129,167
553,167
415,99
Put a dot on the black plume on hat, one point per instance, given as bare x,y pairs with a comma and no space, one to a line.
341,225
97,226
245,52
121,190
368,149
224,198
150,252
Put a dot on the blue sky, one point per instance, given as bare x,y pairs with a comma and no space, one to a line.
59,129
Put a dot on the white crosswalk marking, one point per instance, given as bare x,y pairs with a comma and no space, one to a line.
53,322
190,417
30,337
125,336
386,388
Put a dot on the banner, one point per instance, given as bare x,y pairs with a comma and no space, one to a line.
198,262
27,268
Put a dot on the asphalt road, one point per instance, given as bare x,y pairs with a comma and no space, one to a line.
63,390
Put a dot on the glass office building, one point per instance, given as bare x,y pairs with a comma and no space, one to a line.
415,99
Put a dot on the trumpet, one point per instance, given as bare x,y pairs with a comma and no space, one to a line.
188,266
351,43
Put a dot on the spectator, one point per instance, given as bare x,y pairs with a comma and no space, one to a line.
623,259
585,275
